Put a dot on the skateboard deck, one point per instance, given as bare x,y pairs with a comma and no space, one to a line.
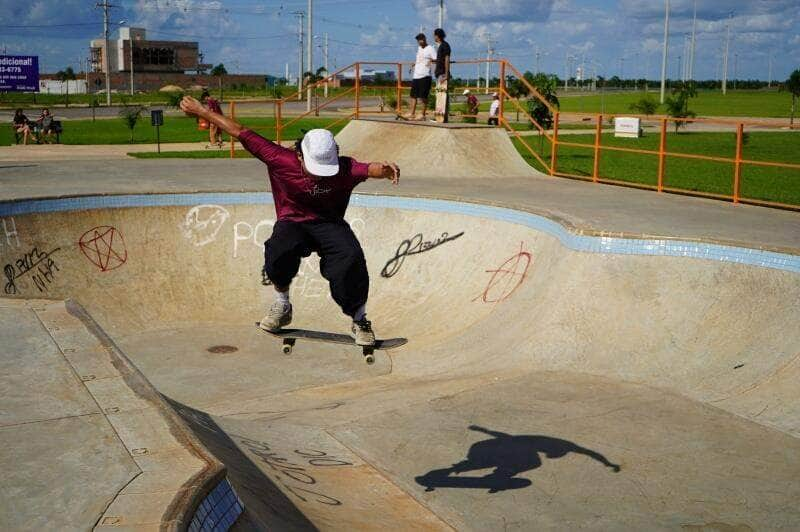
290,337
440,110
400,116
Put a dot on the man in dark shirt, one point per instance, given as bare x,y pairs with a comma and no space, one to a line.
442,71
311,186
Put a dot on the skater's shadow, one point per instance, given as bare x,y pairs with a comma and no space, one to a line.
509,456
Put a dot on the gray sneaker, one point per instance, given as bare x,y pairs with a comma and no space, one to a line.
362,331
280,315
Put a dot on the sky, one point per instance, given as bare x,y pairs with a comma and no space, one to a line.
609,37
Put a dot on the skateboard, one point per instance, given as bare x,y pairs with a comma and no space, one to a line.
400,116
440,110
290,337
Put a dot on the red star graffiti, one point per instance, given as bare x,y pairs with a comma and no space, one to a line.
507,278
104,247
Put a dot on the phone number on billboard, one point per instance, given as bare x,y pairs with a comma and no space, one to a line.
11,70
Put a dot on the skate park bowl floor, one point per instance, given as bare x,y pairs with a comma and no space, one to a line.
551,380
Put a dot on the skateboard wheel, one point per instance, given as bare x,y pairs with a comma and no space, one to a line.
287,349
369,357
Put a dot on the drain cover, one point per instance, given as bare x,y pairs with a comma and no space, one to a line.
222,349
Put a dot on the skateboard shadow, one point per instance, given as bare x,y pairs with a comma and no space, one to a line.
509,456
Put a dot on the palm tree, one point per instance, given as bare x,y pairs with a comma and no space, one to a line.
65,76
219,71
678,104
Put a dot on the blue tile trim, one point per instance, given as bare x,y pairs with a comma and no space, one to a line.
586,243
218,511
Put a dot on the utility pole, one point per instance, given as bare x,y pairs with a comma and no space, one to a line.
735,68
664,55
310,47
694,42
300,15
725,59
489,52
106,6
538,56
769,74
441,13
325,54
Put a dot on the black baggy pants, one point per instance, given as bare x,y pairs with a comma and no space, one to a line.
341,262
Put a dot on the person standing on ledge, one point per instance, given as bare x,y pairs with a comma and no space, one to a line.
442,71
311,186
421,83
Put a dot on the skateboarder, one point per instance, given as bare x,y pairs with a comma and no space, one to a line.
311,185
494,110
442,71
421,83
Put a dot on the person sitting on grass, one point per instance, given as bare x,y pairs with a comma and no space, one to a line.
311,186
214,133
22,127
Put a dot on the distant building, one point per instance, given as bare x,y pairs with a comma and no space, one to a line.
148,56
368,75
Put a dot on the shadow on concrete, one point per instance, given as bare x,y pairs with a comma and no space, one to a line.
265,505
509,456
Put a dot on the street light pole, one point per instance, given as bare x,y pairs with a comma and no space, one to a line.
664,53
299,15
441,13
694,42
725,59
310,47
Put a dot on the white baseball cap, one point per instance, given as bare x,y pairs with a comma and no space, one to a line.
320,153
466,91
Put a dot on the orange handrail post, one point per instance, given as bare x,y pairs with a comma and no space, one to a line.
737,166
662,154
597,133
233,117
358,87
278,112
554,149
502,86
399,88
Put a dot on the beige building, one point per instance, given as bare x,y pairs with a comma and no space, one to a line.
148,56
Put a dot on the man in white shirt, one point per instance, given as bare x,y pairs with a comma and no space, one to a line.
494,110
421,83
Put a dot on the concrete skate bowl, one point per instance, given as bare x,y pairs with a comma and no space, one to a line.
550,381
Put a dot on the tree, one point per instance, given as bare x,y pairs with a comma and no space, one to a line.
793,86
65,76
517,89
219,71
130,116
678,104
645,106
546,86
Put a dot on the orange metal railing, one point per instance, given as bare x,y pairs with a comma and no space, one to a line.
548,155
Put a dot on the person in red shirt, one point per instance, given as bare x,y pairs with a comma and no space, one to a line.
311,186
214,133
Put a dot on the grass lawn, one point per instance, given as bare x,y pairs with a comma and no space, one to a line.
175,129
764,183
755,103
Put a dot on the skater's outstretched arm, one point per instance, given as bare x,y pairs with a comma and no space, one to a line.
596,456
493,433
191,106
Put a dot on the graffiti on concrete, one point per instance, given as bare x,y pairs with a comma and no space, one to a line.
414,246
203,223
104,247
37,265
507,278
293,471
10,232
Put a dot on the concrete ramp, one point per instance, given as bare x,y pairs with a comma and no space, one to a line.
425,149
